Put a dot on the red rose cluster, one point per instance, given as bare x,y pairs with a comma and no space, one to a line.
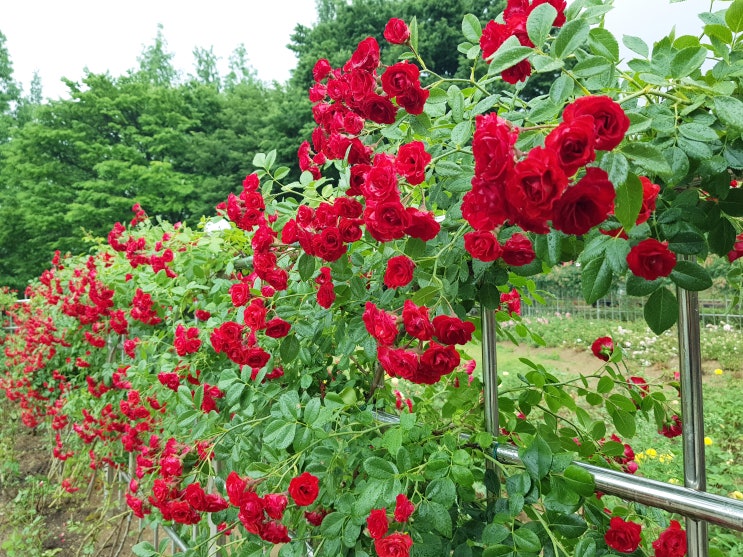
419,365
378,524
247,212
624,536
135,248
515,17
536,190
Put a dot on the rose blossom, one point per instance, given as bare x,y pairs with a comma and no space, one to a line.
377,523
416,321
671,542
399,271
585,205
394,545
573,143
403,508
650,193
651,259
411,162
623,536
609,120
304,489
482,245
396,31
452,330
602,348
518,251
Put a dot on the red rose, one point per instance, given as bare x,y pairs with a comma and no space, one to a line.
493,35
195,496
326,296
380,324
671,542
350,229
586,204
274,532
485,207
394,545
452,330
254,315
673,429
396,31
399,271
304,489
348,207
436,361
512,300
651,259
413,100
518,251
251,511
329,244
573,143
411,161
400,77
602,348
482,245
275,504
609,120
398,362
403,508
533,187
650,193
365,57
623,536
380,183
377,523
183,513
379,109
277,328
240,294
517,73
422,224
492,146
322,69
416,321
387,221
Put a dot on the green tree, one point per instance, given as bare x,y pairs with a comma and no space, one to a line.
9,90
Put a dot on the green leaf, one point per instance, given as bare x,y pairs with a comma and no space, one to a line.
733,203
638,286
289,405
536,458
436,515
508,54
413,25
596,279
687,61
616,166
461,133
561,89
698,132
623,421
691,276
570,37
648,156
569,526
636,44
379,468
661,310
306,266
279,434
605,385
579,480
603,43
540,22
494,533
289,348
722,237
145,549
730,110
471,28
734,16
526,541
592,66
585,548
628,202
442,491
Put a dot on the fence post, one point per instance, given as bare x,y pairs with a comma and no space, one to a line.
489,375
690,371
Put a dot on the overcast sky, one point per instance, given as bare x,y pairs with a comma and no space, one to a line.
60,38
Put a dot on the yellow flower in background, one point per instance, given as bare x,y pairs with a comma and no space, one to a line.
652,453
718,371
708,441
737,495
673,481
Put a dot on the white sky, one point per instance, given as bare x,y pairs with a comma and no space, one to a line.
60,38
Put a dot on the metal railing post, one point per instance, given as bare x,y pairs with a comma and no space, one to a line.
490,374
692,408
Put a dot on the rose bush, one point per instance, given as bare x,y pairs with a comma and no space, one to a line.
254,359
